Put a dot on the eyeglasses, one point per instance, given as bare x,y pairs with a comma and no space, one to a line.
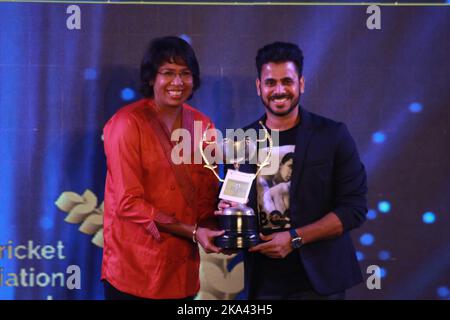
170,75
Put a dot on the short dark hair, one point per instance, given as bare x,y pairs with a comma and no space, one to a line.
288,156
167,49
278,52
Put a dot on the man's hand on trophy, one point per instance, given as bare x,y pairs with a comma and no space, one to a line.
206,236
276,245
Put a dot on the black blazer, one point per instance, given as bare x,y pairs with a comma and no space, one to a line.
327,176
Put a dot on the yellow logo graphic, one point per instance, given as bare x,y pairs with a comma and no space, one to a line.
216,282
83,209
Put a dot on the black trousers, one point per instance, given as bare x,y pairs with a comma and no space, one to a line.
111,293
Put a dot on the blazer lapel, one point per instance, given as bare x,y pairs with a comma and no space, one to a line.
303,138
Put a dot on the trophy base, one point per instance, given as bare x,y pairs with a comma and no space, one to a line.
237,242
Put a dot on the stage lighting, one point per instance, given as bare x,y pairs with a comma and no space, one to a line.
127,94
367,239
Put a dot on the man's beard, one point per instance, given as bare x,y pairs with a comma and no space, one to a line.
293,105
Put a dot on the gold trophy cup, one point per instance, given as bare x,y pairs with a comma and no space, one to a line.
239,222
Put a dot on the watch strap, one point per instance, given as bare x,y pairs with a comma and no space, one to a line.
293,233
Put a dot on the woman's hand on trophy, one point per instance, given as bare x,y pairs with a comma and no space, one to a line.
206,236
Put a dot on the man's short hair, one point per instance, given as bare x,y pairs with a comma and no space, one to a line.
279,52
167,49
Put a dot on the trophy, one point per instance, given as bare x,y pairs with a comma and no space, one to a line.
240,222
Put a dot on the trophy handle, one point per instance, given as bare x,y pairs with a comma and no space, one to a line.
266,161
261,165
200,145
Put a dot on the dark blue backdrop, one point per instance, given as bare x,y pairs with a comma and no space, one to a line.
58,87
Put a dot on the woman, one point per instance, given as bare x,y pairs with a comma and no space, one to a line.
156,211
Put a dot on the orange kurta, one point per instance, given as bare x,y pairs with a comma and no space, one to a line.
141,183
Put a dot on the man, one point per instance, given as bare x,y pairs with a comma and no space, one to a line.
155,211
312,256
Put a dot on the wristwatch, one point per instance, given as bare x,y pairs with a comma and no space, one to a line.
296,240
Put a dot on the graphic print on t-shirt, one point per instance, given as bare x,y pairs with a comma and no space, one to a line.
273,185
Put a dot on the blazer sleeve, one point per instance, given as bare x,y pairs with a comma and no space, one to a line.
350,182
